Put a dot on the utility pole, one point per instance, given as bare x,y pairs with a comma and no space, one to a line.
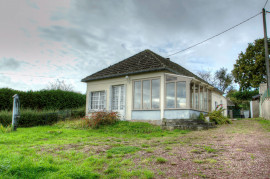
266,50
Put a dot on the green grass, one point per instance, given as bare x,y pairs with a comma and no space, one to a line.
67,151
264,123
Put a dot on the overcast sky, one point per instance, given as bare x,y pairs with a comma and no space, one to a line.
41,41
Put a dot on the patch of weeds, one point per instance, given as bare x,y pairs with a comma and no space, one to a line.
201,175
252,156
161,173
109,155
161,160
185,175
149,150
209,149
148,174
145,145
196,151
198,161
183,159
123,150
212,161
168,148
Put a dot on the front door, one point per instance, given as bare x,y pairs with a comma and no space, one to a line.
118,104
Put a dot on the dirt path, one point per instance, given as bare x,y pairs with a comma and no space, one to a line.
239,150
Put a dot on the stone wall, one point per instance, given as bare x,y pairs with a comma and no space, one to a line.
265,109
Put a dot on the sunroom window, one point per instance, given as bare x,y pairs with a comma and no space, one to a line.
175,93
146,94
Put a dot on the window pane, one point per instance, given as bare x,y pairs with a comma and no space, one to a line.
170,95
102,100
115,97
155,93
98,100
137,95
122,97
146,94
181,94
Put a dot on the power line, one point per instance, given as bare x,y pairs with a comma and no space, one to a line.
37,76
265,3
215,35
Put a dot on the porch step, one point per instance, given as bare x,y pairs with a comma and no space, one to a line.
186,124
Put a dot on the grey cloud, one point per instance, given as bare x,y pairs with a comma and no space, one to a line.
9,64
104,32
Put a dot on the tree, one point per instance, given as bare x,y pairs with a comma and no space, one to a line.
249,70
221,79
60,85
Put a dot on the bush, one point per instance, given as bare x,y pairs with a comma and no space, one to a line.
101,118
217,117
29,118
201,117
42,100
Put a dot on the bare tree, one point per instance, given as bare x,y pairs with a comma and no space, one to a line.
60,85
207,76
221,79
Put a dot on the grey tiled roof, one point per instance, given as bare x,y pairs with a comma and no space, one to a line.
145,61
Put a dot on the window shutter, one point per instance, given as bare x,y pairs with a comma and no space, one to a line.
89,101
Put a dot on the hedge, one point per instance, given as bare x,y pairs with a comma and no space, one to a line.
30,118
42,100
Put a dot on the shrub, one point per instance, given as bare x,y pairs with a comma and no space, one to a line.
101,118
201,117
44,99
217,117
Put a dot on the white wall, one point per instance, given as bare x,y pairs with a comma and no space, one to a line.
216,97
101,85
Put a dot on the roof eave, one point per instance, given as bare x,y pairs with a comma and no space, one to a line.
124,74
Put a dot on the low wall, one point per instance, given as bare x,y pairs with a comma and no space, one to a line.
265,108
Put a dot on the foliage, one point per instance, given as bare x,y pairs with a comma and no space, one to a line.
217,117
101,118
221,79
60,85
5,129
201,117
44,99
30,118
242,98
249,70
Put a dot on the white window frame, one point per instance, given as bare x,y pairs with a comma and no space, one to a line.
99,105
133,94
175,92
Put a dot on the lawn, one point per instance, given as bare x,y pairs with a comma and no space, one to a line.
136,150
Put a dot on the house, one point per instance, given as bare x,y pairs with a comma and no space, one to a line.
148,87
